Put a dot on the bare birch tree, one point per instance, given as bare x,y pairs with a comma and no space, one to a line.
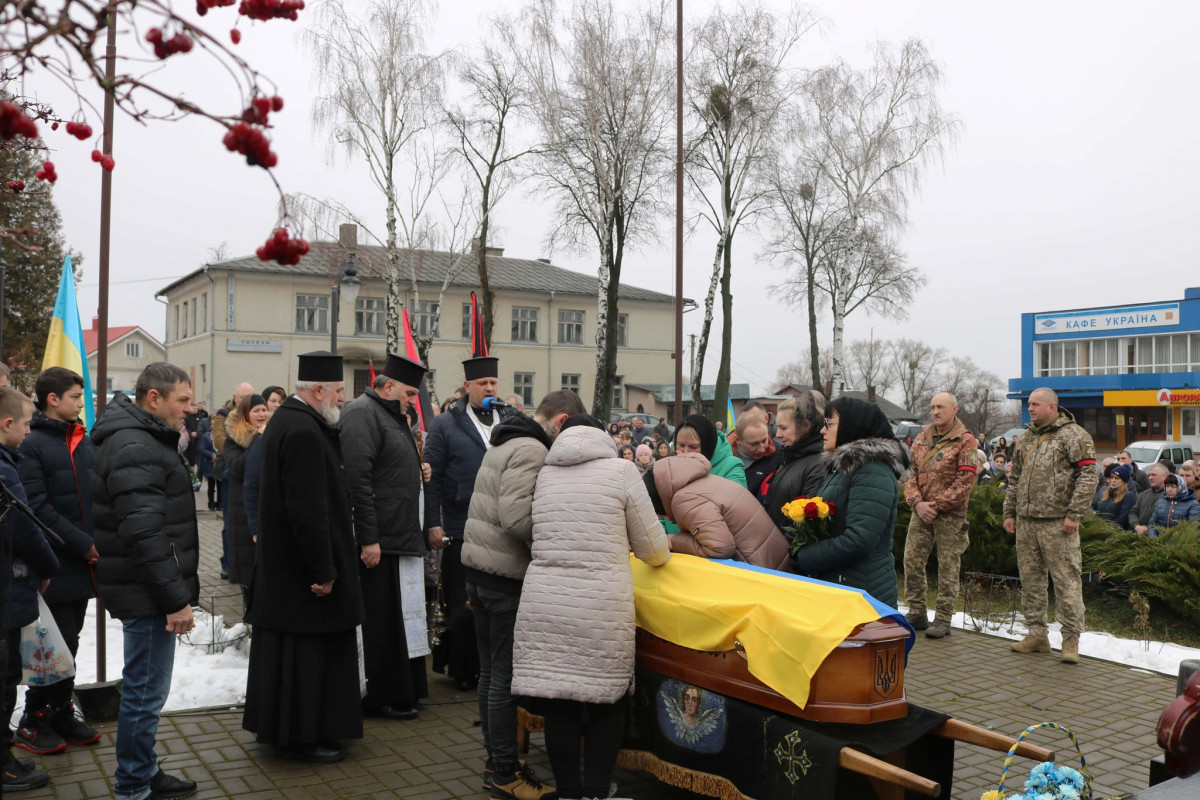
873,131
739,89
599,89
483,125
378,91
917,367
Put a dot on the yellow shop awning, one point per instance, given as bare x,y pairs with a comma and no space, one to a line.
1152,397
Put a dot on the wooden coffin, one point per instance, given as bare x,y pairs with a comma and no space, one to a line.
861,681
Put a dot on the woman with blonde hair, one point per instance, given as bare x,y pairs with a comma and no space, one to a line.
799,421
1118,499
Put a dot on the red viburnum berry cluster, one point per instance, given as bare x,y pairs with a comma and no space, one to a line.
14,122
260,109
104,160
252,143
163,47
16,186
202,6
47,173
80,130
283,249
271,9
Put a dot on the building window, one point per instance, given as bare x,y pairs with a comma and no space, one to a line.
570,327
370,316
185,318
466,321
618,398
523,386
204,373
312,313
195,314
109,382
571,382
204,311
362,380
524,324
425,321
133,349
176,322
622,330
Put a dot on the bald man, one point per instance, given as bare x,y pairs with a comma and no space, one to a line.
938,490
1050,488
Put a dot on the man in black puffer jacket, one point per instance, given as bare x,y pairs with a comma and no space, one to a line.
384,471
56,470
146,535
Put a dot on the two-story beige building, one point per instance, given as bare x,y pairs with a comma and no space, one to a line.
130,349
246,320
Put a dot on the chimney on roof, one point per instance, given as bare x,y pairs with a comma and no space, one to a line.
870,394
544,260
491,251
348,236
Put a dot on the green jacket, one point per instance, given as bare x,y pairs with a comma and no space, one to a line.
863,485
726,463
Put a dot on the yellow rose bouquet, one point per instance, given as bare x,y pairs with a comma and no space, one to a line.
810,521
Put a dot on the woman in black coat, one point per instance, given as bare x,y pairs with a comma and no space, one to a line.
801,470
1118,498
244,425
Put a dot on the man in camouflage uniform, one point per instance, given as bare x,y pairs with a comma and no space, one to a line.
1050,489
938,490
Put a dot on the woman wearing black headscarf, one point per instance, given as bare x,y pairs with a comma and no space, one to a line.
863,464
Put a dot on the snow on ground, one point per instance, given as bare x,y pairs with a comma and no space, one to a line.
1163,657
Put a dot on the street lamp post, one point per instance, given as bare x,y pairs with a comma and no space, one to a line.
349,285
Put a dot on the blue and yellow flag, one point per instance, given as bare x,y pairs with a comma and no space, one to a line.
64,345
730,420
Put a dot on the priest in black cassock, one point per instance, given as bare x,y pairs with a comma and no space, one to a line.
302,691
383,466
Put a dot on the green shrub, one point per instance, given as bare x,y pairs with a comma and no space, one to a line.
1166,567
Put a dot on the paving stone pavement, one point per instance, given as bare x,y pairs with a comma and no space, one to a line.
1113,709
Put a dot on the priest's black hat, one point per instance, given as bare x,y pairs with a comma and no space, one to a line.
404,370
481,367
320,366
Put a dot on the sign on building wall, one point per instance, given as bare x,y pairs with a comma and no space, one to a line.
254,345
1108,319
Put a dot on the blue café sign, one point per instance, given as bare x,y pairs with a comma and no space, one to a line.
1108,319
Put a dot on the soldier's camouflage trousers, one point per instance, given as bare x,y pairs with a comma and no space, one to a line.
1043,549
949,533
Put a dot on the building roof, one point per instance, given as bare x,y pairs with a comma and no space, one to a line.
325,259
665,392
115,334
890,410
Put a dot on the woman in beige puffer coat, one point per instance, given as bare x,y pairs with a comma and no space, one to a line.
717,518
574,640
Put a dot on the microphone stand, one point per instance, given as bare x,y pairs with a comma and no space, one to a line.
10,502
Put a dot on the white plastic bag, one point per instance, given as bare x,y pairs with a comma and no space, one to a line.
45,658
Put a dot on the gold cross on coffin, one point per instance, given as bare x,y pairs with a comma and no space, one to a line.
788,754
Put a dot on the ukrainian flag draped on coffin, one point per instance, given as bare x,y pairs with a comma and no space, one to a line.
64,345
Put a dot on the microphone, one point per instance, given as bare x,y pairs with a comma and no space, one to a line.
490,403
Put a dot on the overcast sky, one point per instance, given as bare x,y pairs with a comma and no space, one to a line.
1072,184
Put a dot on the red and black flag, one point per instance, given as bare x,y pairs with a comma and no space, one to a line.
424,404
478,343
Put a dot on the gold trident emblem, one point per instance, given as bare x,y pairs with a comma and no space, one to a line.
793,759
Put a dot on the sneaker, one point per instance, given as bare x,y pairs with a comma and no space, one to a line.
523,785
918,619
939,629
168,787
489,774
36,734
21,776
68,722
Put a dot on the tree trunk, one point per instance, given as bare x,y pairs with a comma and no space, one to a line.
837,379
706,327
602,397
395,339
485,284
721,393
813,347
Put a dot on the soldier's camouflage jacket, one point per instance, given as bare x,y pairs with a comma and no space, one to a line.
1054,471
946,477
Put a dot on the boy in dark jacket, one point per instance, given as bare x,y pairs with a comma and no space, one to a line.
146,533
56,470
27,563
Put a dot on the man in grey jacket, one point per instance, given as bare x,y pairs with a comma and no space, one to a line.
495,555
384,470
1140,518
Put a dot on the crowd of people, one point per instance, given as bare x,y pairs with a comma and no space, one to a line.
1147,501
332,510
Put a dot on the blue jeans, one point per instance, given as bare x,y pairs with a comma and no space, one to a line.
149,659
495,619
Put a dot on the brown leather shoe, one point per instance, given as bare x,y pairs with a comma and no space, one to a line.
1031,644
1070,649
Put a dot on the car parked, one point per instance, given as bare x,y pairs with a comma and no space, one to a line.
907,432
1148,453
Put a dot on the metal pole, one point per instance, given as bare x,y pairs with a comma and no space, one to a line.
110,77
678,211
334,299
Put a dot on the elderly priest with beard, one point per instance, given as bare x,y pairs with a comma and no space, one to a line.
383,465
305,601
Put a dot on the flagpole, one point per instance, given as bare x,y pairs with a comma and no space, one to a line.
110,76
